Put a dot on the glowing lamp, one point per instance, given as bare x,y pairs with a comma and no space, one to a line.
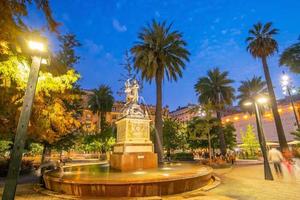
247,103
262,100
36,46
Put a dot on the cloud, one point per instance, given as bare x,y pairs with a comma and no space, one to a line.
93,47
235,31
217,20
157,14
224,31
118,26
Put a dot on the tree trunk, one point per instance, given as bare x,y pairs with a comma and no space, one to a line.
221,137
99,122
102,120
158,117
278,123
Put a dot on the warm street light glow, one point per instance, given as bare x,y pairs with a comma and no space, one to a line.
285,77
262,100
44,61
247,103
36,46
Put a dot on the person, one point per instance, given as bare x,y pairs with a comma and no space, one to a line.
276,157
288,160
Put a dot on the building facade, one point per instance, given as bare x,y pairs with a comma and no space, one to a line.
241,120
184,114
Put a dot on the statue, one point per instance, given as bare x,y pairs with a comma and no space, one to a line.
132,98
132,91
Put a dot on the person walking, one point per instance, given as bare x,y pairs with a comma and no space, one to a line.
276,157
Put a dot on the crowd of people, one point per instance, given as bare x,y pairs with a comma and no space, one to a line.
216,157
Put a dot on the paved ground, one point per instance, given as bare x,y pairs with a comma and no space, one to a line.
243,182
247,183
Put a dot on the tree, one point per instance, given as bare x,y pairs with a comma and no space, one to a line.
171,134
229,134
215,88
250,143
12,24
101,102
56,109
296,134
261,44
160,53
67,56
290,57
130,73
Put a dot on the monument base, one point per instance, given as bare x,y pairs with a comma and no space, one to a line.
133,161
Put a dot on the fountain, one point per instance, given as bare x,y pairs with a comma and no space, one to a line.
134,149
133,170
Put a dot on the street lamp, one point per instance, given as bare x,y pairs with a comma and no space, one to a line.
37,49
262,141
289,90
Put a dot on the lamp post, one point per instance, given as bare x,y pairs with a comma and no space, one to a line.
262,141
37,50
289,90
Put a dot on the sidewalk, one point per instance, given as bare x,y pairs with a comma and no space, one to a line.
247,183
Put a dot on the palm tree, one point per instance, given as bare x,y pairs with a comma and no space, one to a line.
101,102
160,53
215,88
291,58
248,91
261,44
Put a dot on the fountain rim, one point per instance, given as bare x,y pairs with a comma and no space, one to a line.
180,176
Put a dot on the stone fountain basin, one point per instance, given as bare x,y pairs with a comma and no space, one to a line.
101,180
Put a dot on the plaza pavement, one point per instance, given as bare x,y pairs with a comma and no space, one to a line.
242,182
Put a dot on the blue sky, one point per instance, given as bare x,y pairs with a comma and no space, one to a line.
215,31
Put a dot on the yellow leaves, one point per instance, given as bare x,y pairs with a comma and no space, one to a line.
17,69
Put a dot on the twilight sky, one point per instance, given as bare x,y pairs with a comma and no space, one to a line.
215,31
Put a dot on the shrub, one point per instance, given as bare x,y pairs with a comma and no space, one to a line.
182,156
26,167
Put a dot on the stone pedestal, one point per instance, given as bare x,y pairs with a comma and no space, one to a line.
134,149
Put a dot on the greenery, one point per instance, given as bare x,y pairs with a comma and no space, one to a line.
261,44
35,149
250,143
174,135
100,103
296,134
97,143
182,156
199,128
216,89
5,147
26,167
159,53
249,90
290,57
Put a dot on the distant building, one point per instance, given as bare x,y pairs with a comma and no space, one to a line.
184,114
90,120
241,119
